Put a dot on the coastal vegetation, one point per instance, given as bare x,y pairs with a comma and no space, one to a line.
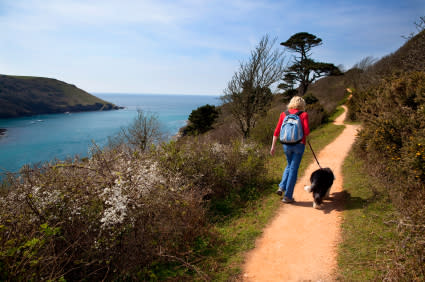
392,145
388,99
120,213
27,95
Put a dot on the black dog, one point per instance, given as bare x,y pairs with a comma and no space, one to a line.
321,182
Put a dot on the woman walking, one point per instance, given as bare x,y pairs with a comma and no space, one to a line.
293,152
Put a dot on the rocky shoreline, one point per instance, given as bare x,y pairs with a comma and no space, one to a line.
69,109
2,131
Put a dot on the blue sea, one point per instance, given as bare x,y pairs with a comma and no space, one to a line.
46,137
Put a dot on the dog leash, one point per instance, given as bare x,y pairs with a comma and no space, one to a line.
314,154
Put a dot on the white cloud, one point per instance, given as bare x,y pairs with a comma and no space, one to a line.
191,46
101,12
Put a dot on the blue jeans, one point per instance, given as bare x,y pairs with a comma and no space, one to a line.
294,154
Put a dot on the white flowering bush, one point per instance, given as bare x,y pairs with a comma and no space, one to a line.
123,211
109,216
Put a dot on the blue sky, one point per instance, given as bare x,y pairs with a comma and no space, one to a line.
185,46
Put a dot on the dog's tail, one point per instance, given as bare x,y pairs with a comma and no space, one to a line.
317,199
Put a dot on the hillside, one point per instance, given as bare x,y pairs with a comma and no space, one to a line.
26,96
391,106
409,57
332,90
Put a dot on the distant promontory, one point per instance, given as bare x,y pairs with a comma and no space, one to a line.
28,95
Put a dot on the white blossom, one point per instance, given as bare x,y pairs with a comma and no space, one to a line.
117,205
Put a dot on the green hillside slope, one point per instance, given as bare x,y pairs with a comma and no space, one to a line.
409,57
331,90
391,107
25,96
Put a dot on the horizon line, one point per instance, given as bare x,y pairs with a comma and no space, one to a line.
164,94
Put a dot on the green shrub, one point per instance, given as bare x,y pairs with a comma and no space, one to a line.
201,120
392,143
310,98
316,115
262,133
216,169
288,94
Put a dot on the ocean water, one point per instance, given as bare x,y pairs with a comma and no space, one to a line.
46,137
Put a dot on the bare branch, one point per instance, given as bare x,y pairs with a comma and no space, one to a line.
248,92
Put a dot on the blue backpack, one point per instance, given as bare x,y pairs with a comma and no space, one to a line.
291,131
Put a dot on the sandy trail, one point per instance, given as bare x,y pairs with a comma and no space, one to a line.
300,243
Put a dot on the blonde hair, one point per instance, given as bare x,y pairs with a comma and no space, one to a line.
297,103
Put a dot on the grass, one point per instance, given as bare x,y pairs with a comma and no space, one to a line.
319,138
368,229
338,111
238,234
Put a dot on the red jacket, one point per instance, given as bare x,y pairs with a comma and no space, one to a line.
304,121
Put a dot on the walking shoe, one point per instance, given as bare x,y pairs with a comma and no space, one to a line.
279,192
287,200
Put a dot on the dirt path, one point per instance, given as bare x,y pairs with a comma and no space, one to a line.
300,243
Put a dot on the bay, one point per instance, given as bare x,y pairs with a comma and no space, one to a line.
46,137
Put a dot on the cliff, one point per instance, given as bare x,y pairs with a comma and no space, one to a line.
26,96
